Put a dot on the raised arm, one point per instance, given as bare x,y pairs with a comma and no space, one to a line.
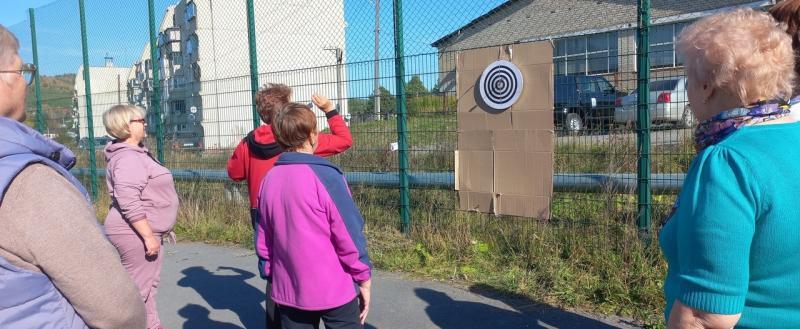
340,139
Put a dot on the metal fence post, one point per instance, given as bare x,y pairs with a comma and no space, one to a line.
89,115
402,128
155,64
251,41
643,117
40,124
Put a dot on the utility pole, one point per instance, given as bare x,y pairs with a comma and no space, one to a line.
377,94
339,53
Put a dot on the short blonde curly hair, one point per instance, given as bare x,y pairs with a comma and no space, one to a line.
117,120
744,52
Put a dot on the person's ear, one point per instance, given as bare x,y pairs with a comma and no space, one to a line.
314,138
707,92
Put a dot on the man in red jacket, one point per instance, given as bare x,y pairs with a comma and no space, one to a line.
256,154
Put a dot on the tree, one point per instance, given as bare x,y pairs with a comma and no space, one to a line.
388,103
363,109
359,109
415,87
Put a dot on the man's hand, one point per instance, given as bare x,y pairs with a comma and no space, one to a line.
322,102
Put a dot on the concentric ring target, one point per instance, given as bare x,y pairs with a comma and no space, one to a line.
501,85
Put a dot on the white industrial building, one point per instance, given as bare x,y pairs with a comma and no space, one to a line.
204,58
108,88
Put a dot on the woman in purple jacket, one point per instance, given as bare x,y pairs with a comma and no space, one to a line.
310,232
144,204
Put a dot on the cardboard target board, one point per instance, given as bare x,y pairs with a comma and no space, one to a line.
504,161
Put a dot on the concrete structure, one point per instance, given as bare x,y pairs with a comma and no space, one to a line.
140,83
204,60
589,37
109,88
113,85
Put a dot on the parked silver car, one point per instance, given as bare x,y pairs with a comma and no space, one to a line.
668,103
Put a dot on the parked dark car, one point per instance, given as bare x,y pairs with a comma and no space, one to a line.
187,139
581,100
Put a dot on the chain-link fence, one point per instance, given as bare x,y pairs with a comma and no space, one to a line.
210,56
391,69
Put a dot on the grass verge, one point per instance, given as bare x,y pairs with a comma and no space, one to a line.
588,257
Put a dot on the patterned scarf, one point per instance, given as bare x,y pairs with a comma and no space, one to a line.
722,125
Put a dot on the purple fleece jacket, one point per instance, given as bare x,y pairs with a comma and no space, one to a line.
310,234
140,188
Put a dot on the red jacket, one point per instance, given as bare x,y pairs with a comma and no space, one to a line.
256,154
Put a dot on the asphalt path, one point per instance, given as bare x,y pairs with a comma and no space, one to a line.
204,286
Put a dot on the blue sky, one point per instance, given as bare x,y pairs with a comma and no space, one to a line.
119,29
15,11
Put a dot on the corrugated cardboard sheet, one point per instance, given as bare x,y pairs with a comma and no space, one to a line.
504,162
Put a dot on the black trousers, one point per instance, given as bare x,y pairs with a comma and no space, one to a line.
273,320
342,317
273,316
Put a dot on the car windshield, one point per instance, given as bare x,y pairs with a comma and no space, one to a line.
604,86
663,85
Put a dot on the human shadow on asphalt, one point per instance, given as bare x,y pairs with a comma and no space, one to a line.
543,313
197,318
225,291
445,312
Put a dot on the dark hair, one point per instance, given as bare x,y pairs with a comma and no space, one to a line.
270,98
788,13
293,125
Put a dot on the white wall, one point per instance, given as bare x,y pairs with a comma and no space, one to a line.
105,93
291,35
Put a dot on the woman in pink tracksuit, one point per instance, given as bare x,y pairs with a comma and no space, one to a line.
310,233
144,203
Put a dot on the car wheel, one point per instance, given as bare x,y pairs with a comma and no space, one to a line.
687,119
574,123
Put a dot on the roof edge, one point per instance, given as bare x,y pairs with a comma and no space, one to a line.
477,20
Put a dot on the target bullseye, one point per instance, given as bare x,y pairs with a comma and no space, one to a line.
501,85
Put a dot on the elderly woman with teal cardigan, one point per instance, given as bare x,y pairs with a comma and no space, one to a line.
732,242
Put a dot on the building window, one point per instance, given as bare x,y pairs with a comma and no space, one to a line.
148,69
191,11
191,46
176,58
178,107
593,54
196,71
663,39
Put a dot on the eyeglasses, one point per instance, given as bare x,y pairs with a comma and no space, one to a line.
142,121
27,71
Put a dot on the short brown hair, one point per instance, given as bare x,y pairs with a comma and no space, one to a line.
293,125
271,98
788,13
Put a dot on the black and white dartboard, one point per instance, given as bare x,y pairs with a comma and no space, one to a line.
501,85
